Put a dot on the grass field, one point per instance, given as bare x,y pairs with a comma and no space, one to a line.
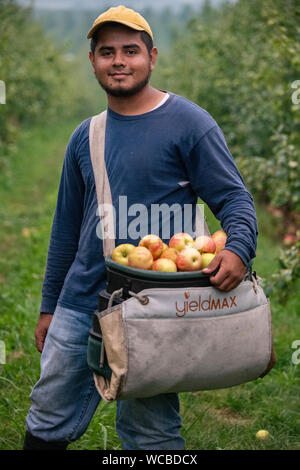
223,419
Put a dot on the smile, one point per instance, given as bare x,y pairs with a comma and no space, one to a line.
119,76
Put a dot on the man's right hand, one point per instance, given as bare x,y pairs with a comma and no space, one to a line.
42,330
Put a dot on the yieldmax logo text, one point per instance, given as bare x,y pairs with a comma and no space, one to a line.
204,304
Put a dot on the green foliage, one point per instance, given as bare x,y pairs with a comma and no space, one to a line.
276,179
282,283
41,80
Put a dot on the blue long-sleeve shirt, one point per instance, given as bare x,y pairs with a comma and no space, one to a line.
171,155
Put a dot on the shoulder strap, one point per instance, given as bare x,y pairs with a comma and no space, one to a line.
105,207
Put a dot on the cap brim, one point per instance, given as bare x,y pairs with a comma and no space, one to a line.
125,23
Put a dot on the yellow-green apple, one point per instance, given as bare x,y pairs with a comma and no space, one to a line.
164,264
180,241
121,252
169,253
262,434
140,258
206,259
205,244
154,244
189,259
219,237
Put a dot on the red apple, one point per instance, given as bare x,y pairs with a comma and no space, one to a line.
206,259
153,243
121,252
164,264
289,239
140,258
205,244
189,259
180,241
219,237
169,253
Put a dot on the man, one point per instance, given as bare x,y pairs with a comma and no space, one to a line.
160,148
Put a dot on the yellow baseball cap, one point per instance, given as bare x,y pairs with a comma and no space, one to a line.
122,15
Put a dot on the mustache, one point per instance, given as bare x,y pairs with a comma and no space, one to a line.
124,93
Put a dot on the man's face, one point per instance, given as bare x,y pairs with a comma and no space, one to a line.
121,62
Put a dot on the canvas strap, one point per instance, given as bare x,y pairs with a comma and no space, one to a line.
105,208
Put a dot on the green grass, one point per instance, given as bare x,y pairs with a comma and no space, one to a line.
222,419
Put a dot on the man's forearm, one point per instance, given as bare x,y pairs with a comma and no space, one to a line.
65,231
238,220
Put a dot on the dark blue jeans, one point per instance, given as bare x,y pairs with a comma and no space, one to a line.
65,397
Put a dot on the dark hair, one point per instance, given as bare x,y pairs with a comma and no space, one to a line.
145,37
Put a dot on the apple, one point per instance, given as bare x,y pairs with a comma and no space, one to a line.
289,239
180,241
262,434
189,259
140,258
169,253
153,243
206,259
165,247
219,237
205,244
121,252
164,264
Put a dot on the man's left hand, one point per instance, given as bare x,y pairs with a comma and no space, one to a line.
231,270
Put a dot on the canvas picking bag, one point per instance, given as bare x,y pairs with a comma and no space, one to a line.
162,340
